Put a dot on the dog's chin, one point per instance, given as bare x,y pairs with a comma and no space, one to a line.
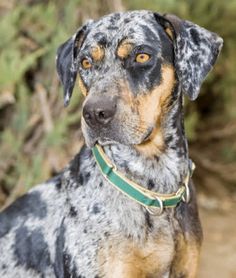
91,141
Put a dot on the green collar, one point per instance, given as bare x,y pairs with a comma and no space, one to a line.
152,201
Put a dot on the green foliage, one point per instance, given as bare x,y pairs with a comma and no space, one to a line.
30,36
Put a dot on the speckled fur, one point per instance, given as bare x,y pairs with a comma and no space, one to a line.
63,228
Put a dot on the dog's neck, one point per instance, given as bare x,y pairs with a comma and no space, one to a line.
163,172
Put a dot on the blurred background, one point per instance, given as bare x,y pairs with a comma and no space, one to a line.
38,136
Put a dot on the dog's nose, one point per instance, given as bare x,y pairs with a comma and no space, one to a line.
99,112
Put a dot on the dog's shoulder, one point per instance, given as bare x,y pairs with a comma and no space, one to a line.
36,204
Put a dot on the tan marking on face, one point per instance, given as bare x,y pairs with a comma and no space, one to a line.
124,49
152,108
82,86
186,256
126,259
97,53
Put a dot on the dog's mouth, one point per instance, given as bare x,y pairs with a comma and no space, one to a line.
104,141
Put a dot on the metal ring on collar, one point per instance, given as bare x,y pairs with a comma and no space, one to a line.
186,195
156,211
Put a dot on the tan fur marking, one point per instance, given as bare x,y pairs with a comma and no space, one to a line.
125,259
124,49
152,107
97,53
81,86
169,33
186,257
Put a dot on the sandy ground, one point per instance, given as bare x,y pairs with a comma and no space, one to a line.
218,257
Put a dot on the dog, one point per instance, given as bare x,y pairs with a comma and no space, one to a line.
134,69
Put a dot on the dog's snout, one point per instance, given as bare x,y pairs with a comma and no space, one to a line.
99,112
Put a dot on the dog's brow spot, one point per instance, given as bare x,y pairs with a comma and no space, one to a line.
97,53
124,49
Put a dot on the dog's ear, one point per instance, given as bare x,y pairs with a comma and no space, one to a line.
67,63
196,50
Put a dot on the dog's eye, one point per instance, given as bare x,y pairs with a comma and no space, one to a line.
142,58
86,64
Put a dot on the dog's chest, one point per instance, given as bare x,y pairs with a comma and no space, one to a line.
112,230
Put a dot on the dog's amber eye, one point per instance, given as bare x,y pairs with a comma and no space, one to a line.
86,64
142,58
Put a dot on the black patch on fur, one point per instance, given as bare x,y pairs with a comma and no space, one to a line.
83,178
57,181
151,184
168,139
157,158
116,16
73,212
100,184
195,36
101,39
74,167
127,20
112,28
31,250
80,177
96,208
86,177
149,222
167,48
21,209
63,265
107,234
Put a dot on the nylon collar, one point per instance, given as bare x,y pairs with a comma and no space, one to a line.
152,201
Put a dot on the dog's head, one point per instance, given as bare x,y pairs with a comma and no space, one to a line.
128,66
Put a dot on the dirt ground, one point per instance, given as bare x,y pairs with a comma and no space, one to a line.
218,257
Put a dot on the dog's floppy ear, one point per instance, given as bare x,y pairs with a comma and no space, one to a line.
67,63
196,50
